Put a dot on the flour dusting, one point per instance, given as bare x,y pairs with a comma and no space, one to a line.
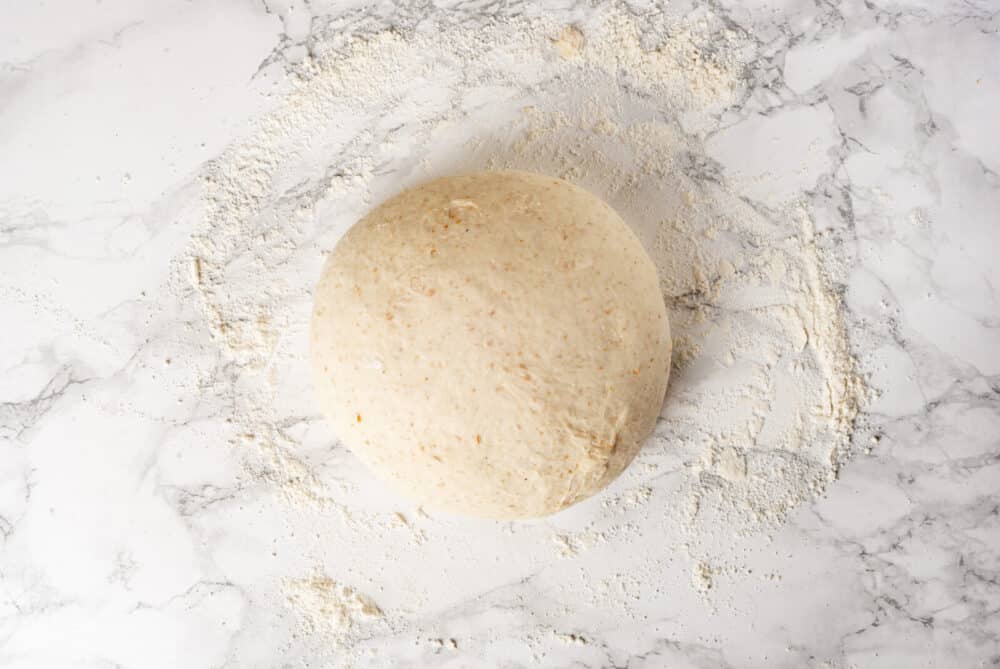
328,608
764,394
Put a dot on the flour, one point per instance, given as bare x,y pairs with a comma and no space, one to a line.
764,394
570,42
327,608
280,467
570,545
702,576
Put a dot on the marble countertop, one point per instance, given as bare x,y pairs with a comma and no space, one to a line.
133,533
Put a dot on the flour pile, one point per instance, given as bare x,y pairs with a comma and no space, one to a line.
764,395
328,608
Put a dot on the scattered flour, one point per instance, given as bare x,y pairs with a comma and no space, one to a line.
701,576
570,545
280,467
327,608
764,393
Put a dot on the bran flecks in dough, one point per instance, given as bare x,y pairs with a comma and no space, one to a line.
494,344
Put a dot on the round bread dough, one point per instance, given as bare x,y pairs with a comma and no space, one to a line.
494,344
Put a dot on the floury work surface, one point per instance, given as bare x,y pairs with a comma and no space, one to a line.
817,186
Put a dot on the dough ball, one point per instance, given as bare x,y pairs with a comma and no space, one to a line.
494,345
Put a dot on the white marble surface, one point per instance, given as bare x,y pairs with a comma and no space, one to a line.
129,539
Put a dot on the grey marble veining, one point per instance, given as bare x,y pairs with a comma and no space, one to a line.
128,538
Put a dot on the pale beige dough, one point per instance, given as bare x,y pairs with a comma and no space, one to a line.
493,344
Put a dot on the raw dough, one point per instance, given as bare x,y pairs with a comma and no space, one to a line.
494,344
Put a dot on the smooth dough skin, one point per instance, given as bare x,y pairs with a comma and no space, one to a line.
494,344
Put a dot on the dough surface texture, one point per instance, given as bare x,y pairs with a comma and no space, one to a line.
494,344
